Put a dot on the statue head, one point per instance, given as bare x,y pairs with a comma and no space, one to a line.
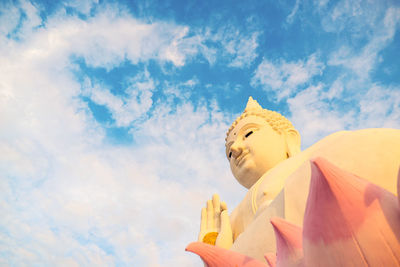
257,141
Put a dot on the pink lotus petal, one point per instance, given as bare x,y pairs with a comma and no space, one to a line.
271,259
217,257
349,221
289,250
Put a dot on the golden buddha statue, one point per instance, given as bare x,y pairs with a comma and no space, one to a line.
263,149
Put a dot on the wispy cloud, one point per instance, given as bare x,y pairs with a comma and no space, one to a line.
362,61
235,47
348,15
315,116
243,50
9,22
380,102
83,6
283,78
290,17
321,110
125,109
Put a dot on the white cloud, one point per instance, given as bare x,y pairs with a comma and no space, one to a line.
8,21
243,51
283,78
321,110
320,3
363,61
111,33
353,100
124,109
181,90
369,26
314,116
290,17
134,198
70,199
352,15
238,49
183,46
380,102
19,21
336,89
83,6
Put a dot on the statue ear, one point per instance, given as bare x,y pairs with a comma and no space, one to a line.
293,142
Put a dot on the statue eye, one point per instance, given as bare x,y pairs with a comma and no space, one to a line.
248,134
230,154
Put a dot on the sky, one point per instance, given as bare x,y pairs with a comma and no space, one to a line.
113,114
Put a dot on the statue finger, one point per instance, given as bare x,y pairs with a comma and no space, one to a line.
225,237
217,211
216,203
225,222
210,215
223,206
203,220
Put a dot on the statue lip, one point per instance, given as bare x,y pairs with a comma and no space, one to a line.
240,159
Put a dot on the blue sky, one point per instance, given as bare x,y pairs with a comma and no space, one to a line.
113,114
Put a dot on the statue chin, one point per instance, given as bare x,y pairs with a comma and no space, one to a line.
248,178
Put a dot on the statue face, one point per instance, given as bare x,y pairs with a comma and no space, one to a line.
253,148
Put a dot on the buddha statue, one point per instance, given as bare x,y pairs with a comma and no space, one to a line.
263,150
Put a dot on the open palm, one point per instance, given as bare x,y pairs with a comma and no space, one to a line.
215,227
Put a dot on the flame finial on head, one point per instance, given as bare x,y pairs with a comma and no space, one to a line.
252,105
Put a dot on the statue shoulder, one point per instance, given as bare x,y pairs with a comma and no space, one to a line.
356,136
337,147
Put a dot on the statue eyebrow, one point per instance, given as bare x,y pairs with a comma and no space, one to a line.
250,126
229,144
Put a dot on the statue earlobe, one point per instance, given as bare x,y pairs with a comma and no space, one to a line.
293,142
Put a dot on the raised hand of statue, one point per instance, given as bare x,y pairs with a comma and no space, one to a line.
215,227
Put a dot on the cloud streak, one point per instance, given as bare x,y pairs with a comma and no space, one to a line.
283,78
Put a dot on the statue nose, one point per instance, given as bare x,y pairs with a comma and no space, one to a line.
236,149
